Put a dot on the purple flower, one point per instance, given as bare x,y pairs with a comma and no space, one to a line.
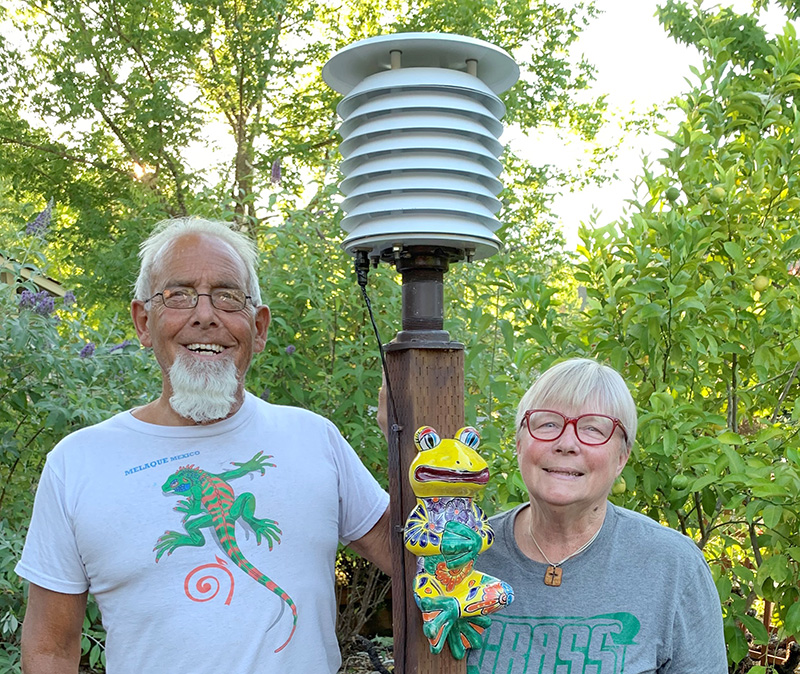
40,303
45,305
276,171
121,345
27,299
38,226
88,350
69,298
290,349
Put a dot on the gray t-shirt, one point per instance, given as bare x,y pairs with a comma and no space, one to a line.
639,600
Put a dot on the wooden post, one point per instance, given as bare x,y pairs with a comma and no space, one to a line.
426,373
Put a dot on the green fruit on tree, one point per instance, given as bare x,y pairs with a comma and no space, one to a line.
760,283
680,481
619,486
672,193
717,194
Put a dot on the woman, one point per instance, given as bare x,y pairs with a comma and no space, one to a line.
597,588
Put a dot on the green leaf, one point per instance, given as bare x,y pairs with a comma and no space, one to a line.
792,619
756,628
724,587
744,573
702,482
772,515
734,250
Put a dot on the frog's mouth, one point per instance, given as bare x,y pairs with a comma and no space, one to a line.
432,474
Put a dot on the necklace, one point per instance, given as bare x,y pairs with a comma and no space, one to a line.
554,572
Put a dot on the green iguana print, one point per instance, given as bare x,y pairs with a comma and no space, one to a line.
212,500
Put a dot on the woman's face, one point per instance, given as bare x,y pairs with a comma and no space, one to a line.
567,472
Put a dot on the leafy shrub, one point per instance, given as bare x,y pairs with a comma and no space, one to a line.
59,373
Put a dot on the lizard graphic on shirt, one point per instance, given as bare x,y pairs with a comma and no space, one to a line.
209,501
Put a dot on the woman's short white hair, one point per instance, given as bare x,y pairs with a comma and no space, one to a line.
580,383
167,231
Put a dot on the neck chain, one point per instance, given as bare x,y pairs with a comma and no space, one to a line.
552,576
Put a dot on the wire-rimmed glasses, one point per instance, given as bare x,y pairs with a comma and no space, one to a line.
224,299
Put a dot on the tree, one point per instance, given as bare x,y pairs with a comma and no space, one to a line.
694,299
122,92
104,101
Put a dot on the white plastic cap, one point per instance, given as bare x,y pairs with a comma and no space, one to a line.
420,129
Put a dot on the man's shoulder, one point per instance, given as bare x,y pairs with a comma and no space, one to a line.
288,412
88,440
112,424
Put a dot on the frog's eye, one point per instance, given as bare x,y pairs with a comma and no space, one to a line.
426,438
469,436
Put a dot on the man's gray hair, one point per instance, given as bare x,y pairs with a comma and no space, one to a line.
167,231
581,383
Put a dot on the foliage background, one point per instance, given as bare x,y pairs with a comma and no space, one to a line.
693,297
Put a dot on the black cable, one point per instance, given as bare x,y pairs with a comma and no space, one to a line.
362,270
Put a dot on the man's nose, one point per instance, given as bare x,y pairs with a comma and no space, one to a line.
204,310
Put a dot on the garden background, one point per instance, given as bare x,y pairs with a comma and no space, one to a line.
692,294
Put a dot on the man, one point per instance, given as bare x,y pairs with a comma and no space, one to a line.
206,522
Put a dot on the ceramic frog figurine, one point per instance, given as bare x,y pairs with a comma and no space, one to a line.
447,531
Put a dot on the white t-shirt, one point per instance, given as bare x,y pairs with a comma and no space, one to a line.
109,492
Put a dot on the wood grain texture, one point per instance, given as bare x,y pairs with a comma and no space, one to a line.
428,390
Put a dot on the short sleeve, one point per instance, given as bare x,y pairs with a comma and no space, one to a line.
698,641
50,557
362,501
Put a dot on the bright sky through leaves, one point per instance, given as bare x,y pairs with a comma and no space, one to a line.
637,65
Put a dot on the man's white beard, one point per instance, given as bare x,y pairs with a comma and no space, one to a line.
203,390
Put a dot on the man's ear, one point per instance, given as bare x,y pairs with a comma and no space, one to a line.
141,322
263,318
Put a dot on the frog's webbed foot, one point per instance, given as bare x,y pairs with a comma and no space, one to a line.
439,614
467,633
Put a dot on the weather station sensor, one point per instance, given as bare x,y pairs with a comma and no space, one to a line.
420,164
420,144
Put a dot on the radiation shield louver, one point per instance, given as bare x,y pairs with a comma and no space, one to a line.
420,143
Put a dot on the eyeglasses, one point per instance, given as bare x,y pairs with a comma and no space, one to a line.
224,299
591,429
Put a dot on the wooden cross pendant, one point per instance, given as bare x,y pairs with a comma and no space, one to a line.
552,576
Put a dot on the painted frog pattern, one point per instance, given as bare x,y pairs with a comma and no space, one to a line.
447,530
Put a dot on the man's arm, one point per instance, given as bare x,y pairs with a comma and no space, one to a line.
51,631
374,545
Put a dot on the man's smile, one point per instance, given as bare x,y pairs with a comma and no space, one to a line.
205,348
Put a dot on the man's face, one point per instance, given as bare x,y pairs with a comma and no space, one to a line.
204,333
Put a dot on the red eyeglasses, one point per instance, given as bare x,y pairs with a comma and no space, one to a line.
591,429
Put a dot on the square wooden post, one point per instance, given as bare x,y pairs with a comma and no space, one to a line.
428,390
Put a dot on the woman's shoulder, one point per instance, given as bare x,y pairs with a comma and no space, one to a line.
498,518
645,531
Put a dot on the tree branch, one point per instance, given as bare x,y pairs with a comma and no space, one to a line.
62,154
784,393
754,543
